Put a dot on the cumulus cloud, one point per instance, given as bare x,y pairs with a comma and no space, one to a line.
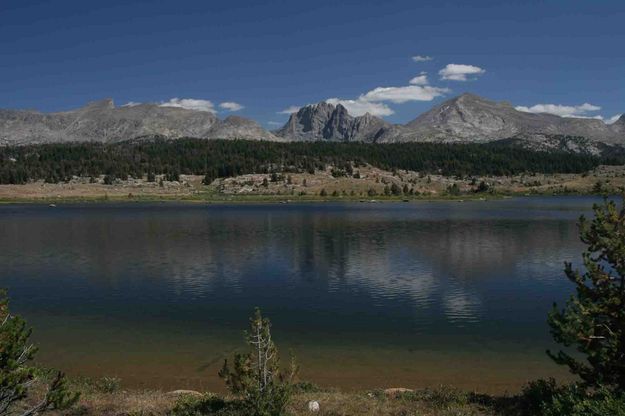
421,79
190,104
562,110
421,58
290,110
231,106
361,106
459,72
400,95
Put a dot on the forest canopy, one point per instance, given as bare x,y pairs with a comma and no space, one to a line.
227,158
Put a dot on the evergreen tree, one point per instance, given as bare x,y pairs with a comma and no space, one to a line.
593,320
256,376
16,376
395,189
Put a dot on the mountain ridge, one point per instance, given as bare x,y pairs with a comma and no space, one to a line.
102,121
466,118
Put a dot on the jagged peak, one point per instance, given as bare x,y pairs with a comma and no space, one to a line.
321,105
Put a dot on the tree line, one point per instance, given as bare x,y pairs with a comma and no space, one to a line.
226,158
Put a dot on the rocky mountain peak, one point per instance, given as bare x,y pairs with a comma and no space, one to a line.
324,121
470,118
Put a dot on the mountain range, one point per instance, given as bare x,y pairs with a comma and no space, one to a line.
466,118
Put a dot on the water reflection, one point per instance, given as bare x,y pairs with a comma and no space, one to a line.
398,275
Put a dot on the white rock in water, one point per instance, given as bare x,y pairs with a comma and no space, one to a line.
313,406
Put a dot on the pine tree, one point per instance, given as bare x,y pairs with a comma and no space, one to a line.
256,376
16,376
593,320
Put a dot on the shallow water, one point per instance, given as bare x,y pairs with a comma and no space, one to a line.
366,295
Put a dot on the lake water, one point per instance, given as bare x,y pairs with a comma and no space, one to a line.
366,295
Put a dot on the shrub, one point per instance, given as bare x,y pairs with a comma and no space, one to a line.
453,190
16,376
256,376
206,405
108,384
545,398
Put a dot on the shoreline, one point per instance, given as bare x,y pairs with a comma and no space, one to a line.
276,199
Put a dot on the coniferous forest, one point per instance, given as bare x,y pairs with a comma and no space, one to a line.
226,158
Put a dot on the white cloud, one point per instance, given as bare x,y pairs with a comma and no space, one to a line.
421,58
190,104
274,123
360,106
459,72
562,110
400,95
421,79
131,104
613,119
290,110
231,106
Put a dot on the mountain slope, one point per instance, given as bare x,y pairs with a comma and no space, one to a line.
101,121
327,122
472,118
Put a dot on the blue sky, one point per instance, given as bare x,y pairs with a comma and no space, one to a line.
269,56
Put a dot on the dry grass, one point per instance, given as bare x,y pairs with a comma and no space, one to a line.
305,185
443,401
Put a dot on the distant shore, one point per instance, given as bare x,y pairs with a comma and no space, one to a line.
373,185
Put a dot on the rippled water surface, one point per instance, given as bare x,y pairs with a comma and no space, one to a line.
367,295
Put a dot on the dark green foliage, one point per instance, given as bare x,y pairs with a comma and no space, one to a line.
482,187
256,376
108,384
207,405
598,187
440,397
323,192
173,176
226,158
453,190
395,189
593,321
16,376
546,398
